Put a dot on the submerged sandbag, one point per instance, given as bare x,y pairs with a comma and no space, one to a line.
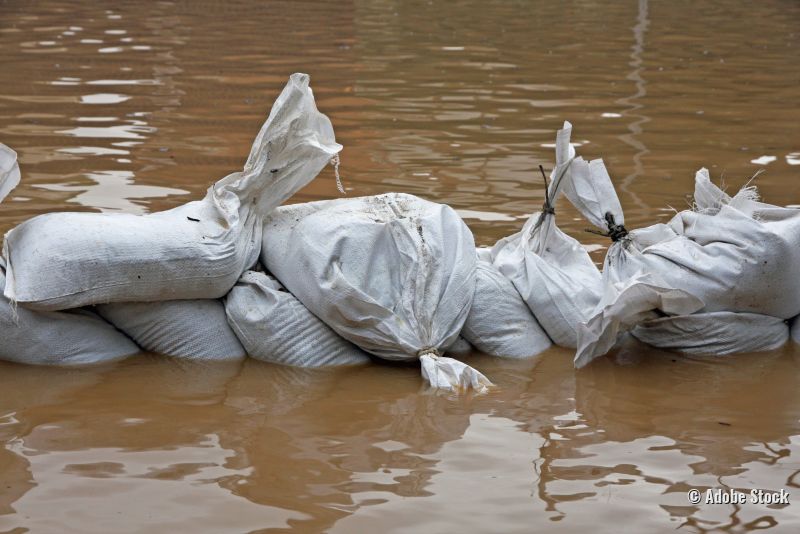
552,271
198,250
392,273
75,337
275,327
499,322
731,254
188,329
715,333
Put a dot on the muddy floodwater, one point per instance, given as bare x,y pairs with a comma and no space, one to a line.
140,106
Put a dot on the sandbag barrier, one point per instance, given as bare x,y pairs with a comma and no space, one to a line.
393,276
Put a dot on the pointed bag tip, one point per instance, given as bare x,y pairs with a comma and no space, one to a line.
300,79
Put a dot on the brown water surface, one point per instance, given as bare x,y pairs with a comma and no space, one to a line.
141,106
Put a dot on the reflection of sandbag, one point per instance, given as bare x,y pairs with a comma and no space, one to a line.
499,322
274,326
552,272
75,337
393,273
191,329
715,333
198,250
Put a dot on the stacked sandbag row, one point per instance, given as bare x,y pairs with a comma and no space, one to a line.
715,280
393,276
734,255
157,278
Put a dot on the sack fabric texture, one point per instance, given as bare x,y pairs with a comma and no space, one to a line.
499,322
714,333
188,329
393,274
275,327
552,272
728,254
70,338
195,251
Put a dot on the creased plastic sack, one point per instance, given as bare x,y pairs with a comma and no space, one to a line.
715,333
189,329
734,253
552,271
499,322
623,306
275,327
198,250
75,337
71,338
393,274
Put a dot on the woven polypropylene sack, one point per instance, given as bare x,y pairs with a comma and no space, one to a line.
196,251
275,327
393,273
729,254
75,337
733,253
715,333
188,329
552,272
499,322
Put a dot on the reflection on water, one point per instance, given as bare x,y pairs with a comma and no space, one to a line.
362,449
141,107
113,191
634,106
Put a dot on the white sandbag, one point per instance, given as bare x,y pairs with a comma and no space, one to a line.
796,330
623,306
75,337
715,333
9,171
734,254
552,271
499,322
188,329
275,327
392,273
198,250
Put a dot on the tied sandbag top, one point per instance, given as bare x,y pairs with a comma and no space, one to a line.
196,251
393,273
